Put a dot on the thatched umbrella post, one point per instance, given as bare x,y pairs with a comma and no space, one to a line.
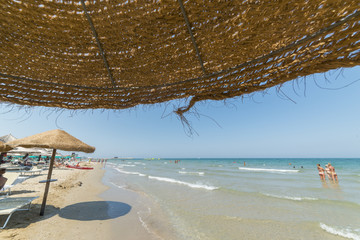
47,186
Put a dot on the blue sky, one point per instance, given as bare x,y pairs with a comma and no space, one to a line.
316,122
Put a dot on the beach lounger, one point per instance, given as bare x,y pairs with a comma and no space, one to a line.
32,171
10,205
12,167
13,179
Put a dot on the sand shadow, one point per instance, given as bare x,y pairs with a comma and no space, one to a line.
96,210
22,219
16,192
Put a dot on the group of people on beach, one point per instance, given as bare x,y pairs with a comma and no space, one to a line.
329,171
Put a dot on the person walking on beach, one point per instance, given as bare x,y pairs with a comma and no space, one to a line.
333,173
321,172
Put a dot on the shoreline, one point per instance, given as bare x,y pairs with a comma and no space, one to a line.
145,221
74,209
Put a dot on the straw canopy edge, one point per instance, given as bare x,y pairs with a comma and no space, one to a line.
55,139
4,147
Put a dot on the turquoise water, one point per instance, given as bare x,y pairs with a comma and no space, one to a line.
261,199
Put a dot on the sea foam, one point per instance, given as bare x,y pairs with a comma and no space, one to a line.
291,198
192,185
170,180
268,170
126,165
132,173
139,163
192,173
121,187
347,233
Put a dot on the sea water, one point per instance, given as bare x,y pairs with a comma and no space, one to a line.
245,198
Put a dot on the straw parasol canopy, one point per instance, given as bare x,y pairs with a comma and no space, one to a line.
7,138
4,147
87,54
55,139
19,151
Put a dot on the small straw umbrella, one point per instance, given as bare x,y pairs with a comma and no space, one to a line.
4,147
55,139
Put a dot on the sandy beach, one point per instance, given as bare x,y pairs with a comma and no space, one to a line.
79,206
73,210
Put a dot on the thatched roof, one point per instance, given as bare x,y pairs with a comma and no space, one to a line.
7,138
4,147
55,139
118,54
20,151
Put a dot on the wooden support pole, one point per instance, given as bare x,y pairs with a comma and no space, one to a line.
47,186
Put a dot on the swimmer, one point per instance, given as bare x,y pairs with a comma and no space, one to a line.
321,172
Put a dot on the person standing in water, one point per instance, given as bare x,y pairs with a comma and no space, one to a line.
321,172
328,172
332,172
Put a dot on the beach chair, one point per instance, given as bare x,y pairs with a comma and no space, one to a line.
13,179
10,205
32,171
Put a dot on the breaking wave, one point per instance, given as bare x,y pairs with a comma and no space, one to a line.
132,173
192,173
268,170
347,233
291,198
192,185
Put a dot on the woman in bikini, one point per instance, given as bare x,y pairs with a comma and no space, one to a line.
328,172
321,172
333,173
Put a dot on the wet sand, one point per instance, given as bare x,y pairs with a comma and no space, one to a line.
146,219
